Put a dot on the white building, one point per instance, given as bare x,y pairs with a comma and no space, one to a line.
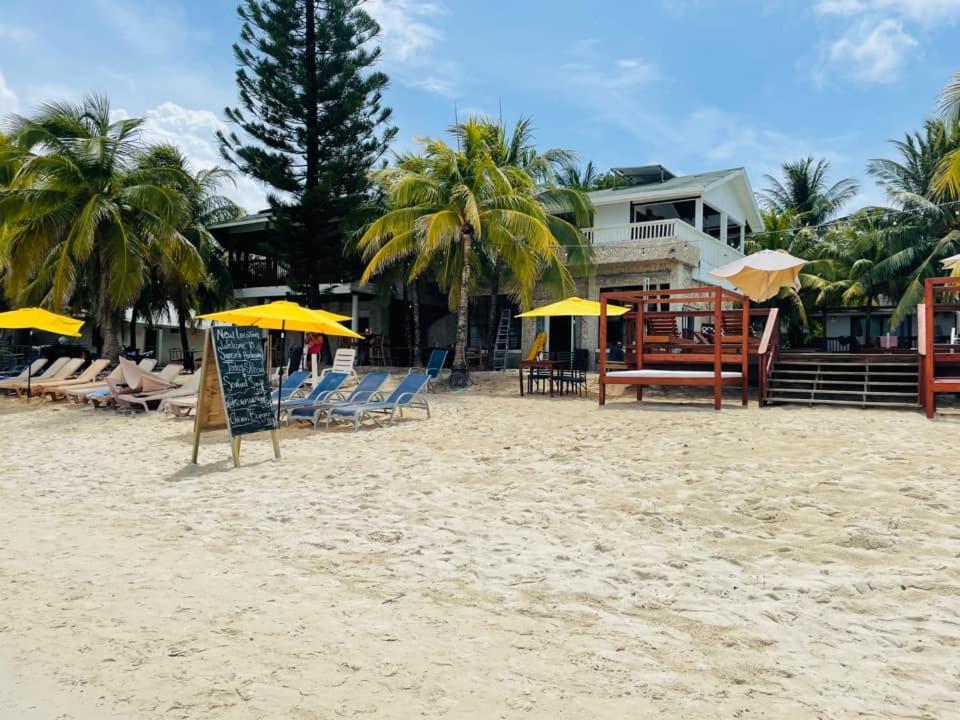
658,231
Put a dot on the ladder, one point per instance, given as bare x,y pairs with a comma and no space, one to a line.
502,342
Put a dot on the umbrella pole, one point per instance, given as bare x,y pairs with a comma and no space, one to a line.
283,361
29,363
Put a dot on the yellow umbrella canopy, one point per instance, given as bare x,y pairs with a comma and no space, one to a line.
284,315
761,275
574,306
34,318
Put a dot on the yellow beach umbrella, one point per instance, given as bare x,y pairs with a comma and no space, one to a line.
951,262
574,306
761,275
34,318
283,315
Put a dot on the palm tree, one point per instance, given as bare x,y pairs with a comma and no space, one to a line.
568,209
922,228
806,192
81,209
947,180
213,290
454,205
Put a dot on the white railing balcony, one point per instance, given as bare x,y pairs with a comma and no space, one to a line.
712,252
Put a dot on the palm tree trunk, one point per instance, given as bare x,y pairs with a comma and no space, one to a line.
415,301
459,374
111,336
492,316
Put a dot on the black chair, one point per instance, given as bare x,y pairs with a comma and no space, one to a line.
574,378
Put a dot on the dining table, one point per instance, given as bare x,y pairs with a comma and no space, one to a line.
531,365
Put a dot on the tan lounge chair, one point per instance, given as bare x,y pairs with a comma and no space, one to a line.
133,380
66,371
181,406
87,376
52,369
78,393
185,389
33,370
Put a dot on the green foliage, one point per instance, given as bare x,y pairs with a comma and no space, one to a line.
312,121
84,220
806,192
490,198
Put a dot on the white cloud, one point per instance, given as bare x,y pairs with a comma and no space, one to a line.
874,51
9,102
16,33
411,41
877,36
194,132
919,11
621,74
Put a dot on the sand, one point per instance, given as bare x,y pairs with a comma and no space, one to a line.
509,558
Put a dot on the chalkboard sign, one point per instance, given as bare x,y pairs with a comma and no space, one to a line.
243,380
234,391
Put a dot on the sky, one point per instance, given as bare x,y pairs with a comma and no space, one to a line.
695,85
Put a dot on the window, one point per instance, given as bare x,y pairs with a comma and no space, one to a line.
674,210
711,221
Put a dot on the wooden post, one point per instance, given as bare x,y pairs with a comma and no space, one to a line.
718,349
641,307
235,451
745,361
202,397
602,390
275,436
930,349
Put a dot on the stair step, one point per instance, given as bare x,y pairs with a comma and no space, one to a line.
848,403
861,393
854,373
845,383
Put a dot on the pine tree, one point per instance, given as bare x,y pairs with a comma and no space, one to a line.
312,112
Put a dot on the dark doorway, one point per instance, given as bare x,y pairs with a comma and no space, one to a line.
561,338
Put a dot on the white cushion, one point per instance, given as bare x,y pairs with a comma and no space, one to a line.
670,374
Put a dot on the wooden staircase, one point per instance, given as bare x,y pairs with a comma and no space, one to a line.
854,380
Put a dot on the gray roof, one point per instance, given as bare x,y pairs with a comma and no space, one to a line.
675,185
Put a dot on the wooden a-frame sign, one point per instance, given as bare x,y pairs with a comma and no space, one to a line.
234,392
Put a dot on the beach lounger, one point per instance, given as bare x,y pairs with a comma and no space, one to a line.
33,371
434,366
48,374
407,395
66,371
180,406
89,375
368,386
187,388
133,379
343,361
80,393
328,385
291,384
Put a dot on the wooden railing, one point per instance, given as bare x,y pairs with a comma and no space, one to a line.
261,272
768,352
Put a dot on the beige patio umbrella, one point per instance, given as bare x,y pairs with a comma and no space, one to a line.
761,275
951,262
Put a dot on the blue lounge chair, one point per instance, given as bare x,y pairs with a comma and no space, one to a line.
291,384
328,385
434,366
407,395
369,384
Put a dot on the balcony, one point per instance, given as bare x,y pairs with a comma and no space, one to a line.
258,272
661,240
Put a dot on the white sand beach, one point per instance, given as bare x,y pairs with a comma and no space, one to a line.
508,558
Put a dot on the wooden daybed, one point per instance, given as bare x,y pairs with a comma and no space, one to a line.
668,355
939,363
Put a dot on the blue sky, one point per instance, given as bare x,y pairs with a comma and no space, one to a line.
693,84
